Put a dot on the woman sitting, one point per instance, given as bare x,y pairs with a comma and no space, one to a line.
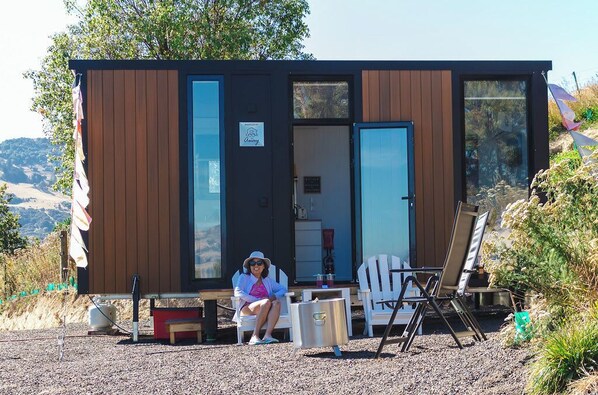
259,295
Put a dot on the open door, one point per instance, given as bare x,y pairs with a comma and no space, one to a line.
384,190
323,200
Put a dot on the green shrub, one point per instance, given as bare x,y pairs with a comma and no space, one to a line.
590,114
571,157
552,248
568,354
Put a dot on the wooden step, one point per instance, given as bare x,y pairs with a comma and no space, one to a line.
465,334
184,325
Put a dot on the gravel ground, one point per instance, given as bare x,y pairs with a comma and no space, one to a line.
113,364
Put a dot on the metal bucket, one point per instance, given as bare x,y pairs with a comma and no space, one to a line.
320,323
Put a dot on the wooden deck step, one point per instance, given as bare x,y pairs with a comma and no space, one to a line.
184,325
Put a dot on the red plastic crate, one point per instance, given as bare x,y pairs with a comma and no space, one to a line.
163,314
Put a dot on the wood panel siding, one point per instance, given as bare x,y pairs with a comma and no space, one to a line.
130,174
173,157
423,97
120,260
133,166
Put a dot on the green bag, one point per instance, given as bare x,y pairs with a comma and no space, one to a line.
523,326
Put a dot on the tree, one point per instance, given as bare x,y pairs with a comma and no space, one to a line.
10,238
159,29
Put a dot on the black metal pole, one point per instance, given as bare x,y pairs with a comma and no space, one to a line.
64,257
136,296
576,84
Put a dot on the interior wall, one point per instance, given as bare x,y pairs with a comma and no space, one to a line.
325,151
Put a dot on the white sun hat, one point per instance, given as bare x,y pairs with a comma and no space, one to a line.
254,255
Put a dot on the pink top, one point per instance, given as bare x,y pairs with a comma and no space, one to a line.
259,291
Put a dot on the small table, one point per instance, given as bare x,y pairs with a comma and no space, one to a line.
329,293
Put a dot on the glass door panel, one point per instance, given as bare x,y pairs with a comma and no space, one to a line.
385,190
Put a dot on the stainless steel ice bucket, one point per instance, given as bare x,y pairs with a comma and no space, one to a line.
320,323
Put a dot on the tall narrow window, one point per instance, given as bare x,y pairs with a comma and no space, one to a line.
206,125
496,143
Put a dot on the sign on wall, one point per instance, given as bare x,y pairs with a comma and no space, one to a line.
312,185
251,134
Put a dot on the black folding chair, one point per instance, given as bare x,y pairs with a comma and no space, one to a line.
444,282
458,297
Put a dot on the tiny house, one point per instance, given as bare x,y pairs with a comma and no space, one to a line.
319,164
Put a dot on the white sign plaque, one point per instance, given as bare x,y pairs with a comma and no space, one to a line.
251,134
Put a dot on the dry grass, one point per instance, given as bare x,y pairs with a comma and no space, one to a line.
584,386
32,268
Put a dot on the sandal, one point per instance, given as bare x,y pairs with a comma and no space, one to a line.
256,340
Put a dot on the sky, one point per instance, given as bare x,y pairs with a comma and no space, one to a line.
564,32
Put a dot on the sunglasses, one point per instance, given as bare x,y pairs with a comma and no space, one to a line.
253,263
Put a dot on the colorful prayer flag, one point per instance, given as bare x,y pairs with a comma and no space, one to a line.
559,93
567,114
582,140
77,252
79,216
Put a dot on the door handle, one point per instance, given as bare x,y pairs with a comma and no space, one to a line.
411,199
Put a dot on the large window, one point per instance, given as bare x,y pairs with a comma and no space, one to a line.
496,143
206,125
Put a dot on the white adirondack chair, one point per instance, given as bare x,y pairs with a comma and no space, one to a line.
246,323
376,284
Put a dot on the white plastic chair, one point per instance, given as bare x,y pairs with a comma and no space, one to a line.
377,284
246,323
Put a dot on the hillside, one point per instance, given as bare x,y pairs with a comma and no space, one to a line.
25,167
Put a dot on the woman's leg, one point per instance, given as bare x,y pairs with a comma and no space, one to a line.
273,316
260,309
